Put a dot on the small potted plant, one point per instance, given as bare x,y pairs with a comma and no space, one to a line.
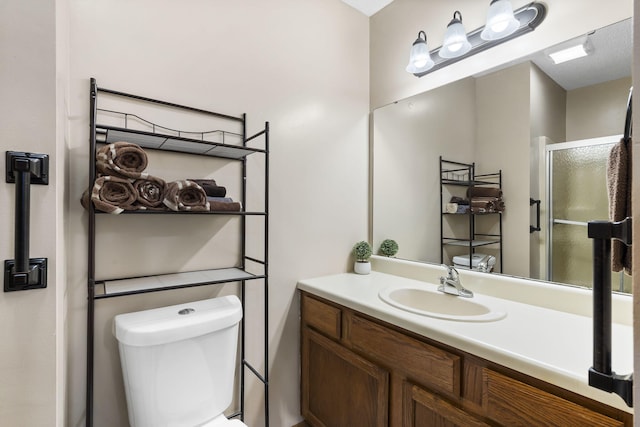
362,252
388,247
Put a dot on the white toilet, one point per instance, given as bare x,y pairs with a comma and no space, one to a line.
178,363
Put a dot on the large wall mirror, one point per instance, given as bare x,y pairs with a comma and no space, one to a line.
546,127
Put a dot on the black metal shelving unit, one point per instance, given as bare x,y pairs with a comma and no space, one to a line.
213,144
464,175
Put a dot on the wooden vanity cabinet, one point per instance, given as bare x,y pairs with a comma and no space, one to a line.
359,371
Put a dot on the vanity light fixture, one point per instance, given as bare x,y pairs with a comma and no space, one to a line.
455,39
419,58
503,24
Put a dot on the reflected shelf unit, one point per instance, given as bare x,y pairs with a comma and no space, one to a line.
462,176
231,146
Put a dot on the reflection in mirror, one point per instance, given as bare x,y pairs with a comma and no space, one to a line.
516,119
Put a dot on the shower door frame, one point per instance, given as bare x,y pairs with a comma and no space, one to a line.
549,220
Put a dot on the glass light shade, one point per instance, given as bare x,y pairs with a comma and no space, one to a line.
455,41
419,58
500,21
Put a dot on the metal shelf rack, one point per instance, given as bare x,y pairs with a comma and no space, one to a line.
464,175
232,146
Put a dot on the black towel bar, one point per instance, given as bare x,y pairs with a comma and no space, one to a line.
24,169
600,375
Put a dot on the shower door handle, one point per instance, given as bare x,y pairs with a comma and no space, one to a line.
24,169
537,227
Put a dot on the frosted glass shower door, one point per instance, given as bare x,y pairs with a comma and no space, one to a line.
577,193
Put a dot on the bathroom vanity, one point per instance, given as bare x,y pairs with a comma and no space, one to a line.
368,363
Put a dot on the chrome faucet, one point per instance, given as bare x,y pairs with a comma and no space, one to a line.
483,264
451,283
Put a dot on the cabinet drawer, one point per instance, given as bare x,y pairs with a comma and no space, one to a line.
513,403
321,316
425,364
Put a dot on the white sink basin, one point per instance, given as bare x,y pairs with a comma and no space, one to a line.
440,305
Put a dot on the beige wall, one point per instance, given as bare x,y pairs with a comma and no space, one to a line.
408,138
548,124
30,357
597,110
548,107
503,100
299,65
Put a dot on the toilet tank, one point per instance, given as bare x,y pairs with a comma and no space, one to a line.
178,362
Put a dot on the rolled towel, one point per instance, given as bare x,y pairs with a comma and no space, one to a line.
122,159
111,194
210,187
224,204
484,192
185,195
150,192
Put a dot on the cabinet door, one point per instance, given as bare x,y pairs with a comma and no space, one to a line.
424,409
513,403
340,388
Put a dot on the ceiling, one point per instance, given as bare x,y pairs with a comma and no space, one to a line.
610,58
368,7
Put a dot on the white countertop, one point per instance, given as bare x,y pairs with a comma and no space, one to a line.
545,343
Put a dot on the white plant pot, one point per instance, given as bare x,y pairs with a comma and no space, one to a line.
360,267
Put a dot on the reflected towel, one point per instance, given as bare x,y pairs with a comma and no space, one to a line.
122,159
210,187
619,191
150,192
484,192
459,200
486,204
225,204
111,194
185,195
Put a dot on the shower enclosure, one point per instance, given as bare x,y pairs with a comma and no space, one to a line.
576,192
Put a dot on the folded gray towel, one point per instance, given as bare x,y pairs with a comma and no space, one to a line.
224,204
210,187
